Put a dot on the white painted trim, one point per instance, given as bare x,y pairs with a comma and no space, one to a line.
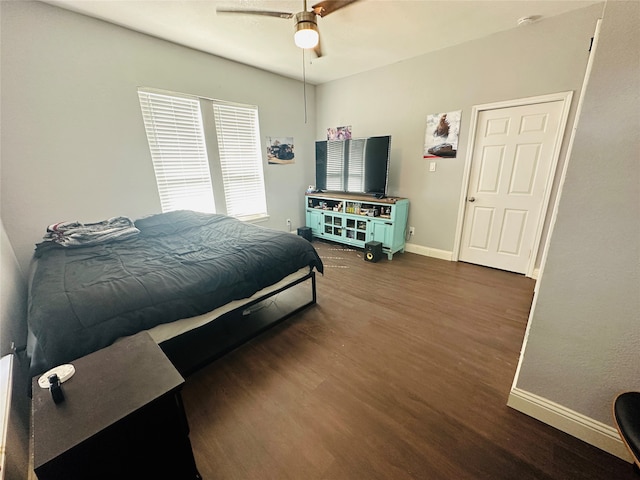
462,202
554,214
563,174
562,128
564,97
428,251
585,428
535,274
6,375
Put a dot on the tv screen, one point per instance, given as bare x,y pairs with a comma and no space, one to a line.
358,165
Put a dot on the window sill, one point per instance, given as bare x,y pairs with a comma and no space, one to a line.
254,218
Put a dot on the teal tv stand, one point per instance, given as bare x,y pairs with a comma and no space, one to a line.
356,219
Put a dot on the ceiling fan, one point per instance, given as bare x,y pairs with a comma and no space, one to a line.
306,34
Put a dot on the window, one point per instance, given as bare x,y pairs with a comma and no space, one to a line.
178,144
240,159
335,166
355,178
178,151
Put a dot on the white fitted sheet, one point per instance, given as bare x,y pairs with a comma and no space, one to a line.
165,331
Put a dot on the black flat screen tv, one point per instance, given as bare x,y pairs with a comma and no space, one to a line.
358,165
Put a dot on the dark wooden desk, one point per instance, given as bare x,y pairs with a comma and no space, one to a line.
122,418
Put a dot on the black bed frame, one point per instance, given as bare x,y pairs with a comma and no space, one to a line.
193,350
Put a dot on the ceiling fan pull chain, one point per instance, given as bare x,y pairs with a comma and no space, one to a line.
304,85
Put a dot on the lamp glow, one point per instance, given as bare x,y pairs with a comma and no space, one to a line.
307,38
306,30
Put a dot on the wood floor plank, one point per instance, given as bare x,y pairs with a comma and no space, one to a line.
401,371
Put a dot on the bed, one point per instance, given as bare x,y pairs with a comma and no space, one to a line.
201,284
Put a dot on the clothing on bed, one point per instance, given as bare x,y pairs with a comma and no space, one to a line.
77,234
181,264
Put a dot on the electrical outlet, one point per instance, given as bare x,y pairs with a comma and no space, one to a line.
289,224
412,231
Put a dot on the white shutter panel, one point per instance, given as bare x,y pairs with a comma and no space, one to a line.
335,165
355,182
240,159
178,151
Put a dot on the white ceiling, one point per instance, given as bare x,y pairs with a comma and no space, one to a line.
362,36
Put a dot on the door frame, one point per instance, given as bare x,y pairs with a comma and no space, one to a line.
564,97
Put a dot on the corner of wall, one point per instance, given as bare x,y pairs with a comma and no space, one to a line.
580,426
13,298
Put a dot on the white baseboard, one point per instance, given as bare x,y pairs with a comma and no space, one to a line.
428,252
444,255
580,426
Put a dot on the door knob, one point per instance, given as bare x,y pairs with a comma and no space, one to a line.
471,199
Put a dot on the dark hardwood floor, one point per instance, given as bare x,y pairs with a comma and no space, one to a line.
401,371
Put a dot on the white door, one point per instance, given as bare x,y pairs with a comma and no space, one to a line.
513,154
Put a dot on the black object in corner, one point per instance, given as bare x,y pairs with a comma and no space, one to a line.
305,232
372,251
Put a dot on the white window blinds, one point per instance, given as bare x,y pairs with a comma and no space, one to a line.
240,159
335,165
176,141
355,181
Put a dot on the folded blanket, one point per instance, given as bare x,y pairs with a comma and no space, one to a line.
76,234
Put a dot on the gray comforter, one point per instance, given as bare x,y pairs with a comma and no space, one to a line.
181,264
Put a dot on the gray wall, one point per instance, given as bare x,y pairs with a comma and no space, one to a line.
73,147
72,138
546,57
584,334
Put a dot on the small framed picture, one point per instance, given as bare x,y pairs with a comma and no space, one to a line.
280,150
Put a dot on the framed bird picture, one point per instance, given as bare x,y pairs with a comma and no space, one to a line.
441,136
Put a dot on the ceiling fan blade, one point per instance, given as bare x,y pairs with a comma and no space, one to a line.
326,7
264,13
318,48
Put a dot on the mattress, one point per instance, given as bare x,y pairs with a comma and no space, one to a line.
181,265
166,331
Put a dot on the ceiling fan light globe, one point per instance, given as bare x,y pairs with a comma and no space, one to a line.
306,38
306,30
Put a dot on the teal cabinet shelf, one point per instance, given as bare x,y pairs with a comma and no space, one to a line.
357,219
